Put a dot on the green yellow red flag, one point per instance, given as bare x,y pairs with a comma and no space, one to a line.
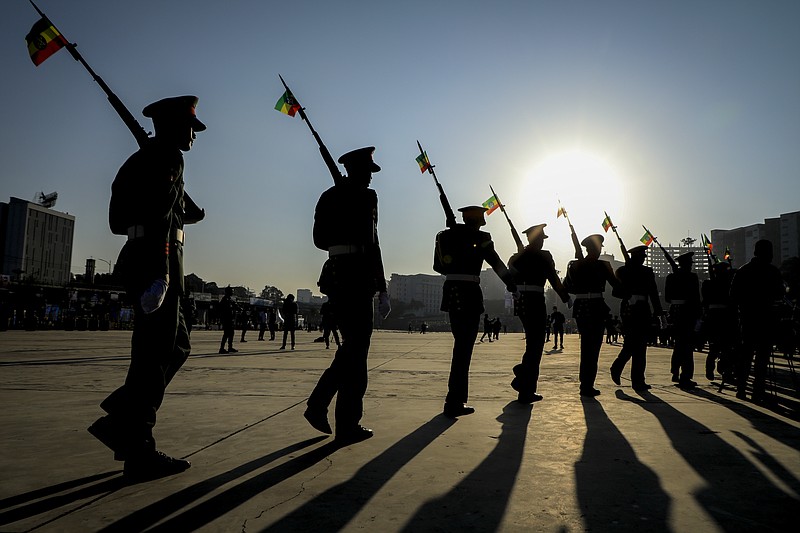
422,161
287,104
647,238
606,223
43,41
491,204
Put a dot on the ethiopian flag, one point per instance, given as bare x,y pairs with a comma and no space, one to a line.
287,104
43,41
707,243
647,238
607,223
561,212
491,204
422,161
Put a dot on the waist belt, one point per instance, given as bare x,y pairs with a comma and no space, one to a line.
344,249
717,306
463,277
636,298
137,231
588,295
530,288
677,302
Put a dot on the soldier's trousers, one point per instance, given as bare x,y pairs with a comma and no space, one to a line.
754,342
464,326
347,374
159,347
682,361
634,349
527,372
592,331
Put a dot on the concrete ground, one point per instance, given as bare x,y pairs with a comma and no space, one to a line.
668,460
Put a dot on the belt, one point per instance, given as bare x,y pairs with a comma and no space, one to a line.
137,231
717,306
636,298
344,249
463,277
588,295
677,302
530,288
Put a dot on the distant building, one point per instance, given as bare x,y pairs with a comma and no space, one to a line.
661,267
425,289
783,232
304,296
35,242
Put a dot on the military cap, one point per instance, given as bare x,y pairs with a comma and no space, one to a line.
472,210
360,158
684,257
593,240
721,266
175,109
638,250
533,231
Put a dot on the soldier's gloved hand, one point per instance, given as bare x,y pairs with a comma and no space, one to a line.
570,302
384,307
153,297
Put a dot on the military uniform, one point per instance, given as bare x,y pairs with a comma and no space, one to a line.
459,254
350,278
682,292
531,269
586,278
757,289
639,285
149,205
719,322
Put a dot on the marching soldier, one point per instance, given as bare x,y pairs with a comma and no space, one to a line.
682,292
756,289
719,319
639,284
350,278
459,255
586,279
148,204
532,268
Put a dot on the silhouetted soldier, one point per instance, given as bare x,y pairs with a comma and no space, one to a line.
272,322
459,254
487,327
639,285
557,318
148,204
720,322
227,315
532,268
350,277
262,324
586,279
682,292
757,289
329,325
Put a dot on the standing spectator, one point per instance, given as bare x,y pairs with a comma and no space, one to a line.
557,318
227,314
289,312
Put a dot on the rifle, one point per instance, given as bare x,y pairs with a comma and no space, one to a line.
323,150
450,217
625,253
670,260
575,242
135,128
514,233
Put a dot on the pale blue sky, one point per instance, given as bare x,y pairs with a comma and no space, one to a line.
687,112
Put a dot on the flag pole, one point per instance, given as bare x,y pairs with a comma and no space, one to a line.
670,260
323,150
514,233
135,128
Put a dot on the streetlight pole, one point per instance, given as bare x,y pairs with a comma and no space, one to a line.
104,261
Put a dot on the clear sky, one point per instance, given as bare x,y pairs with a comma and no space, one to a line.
683,116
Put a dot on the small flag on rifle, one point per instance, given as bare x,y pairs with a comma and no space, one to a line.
287,104
607,223
43,41
647,238
491,204
727,255
561,212
707,244
422,161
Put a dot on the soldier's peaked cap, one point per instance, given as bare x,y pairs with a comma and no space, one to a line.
533,231
359,158
175,109
472,210
638,250
593,240
684,257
